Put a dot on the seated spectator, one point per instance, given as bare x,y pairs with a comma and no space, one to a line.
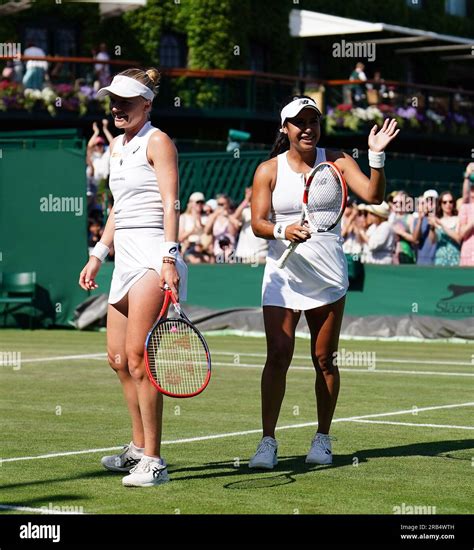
98,157
95,232
196,253
192,221
402,225
348,231
426,247
35,68
379,238
360,225
391,206
465,226
223,228
358,90
250,249
443,231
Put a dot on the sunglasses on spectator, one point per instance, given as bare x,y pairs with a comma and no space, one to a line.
447,202
199,202
221,204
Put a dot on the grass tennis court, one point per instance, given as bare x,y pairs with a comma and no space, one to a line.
414,457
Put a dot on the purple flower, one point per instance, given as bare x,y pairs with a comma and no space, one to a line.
88,91
459,119
410,112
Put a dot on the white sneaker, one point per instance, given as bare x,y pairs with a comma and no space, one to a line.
266,455
148,472
320,452
125,461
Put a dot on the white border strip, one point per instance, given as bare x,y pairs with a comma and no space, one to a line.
246,432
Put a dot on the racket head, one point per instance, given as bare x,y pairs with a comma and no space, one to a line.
324,197
177,358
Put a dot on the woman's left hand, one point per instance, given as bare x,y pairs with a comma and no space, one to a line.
169,276
379,140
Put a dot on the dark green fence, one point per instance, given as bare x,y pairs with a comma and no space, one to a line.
214,173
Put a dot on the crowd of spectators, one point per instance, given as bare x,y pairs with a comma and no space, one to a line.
433,229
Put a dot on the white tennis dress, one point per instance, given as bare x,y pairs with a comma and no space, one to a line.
139,216
316,273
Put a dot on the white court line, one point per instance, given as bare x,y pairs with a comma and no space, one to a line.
361,421
259,355
101,356
42,511
377,359
64,357
246,432
351,369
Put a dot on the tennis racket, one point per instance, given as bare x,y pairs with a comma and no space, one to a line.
177,358
324,201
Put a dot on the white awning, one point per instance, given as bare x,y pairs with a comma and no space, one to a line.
112,8
304,23
108,8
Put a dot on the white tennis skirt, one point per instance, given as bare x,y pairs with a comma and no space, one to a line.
137,251
314,275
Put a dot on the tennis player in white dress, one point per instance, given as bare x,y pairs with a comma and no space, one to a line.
143,226
314,279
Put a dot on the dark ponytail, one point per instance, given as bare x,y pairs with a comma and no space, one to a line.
282,143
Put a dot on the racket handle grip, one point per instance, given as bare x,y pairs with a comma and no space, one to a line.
284,257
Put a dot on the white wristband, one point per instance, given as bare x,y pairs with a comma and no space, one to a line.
169,249
100,251
279,230
376,160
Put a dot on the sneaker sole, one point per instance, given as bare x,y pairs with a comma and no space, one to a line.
152,484
263,466
312,461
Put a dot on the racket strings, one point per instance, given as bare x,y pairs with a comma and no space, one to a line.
177,358
325,198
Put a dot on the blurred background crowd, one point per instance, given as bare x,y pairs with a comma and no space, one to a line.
431,229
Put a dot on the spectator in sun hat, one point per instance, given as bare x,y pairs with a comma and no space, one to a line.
378,239
193,220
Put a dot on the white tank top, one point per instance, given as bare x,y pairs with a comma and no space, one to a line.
288,192
316,273
137,198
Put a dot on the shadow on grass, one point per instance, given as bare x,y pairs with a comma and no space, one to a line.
284,472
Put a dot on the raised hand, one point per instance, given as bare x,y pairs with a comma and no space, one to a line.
379,140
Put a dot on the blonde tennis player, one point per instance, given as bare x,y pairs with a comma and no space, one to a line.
314,279
143,226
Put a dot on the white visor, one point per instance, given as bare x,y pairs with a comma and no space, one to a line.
297,105
124,86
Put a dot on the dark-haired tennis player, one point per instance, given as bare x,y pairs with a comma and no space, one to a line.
314,279
143,227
